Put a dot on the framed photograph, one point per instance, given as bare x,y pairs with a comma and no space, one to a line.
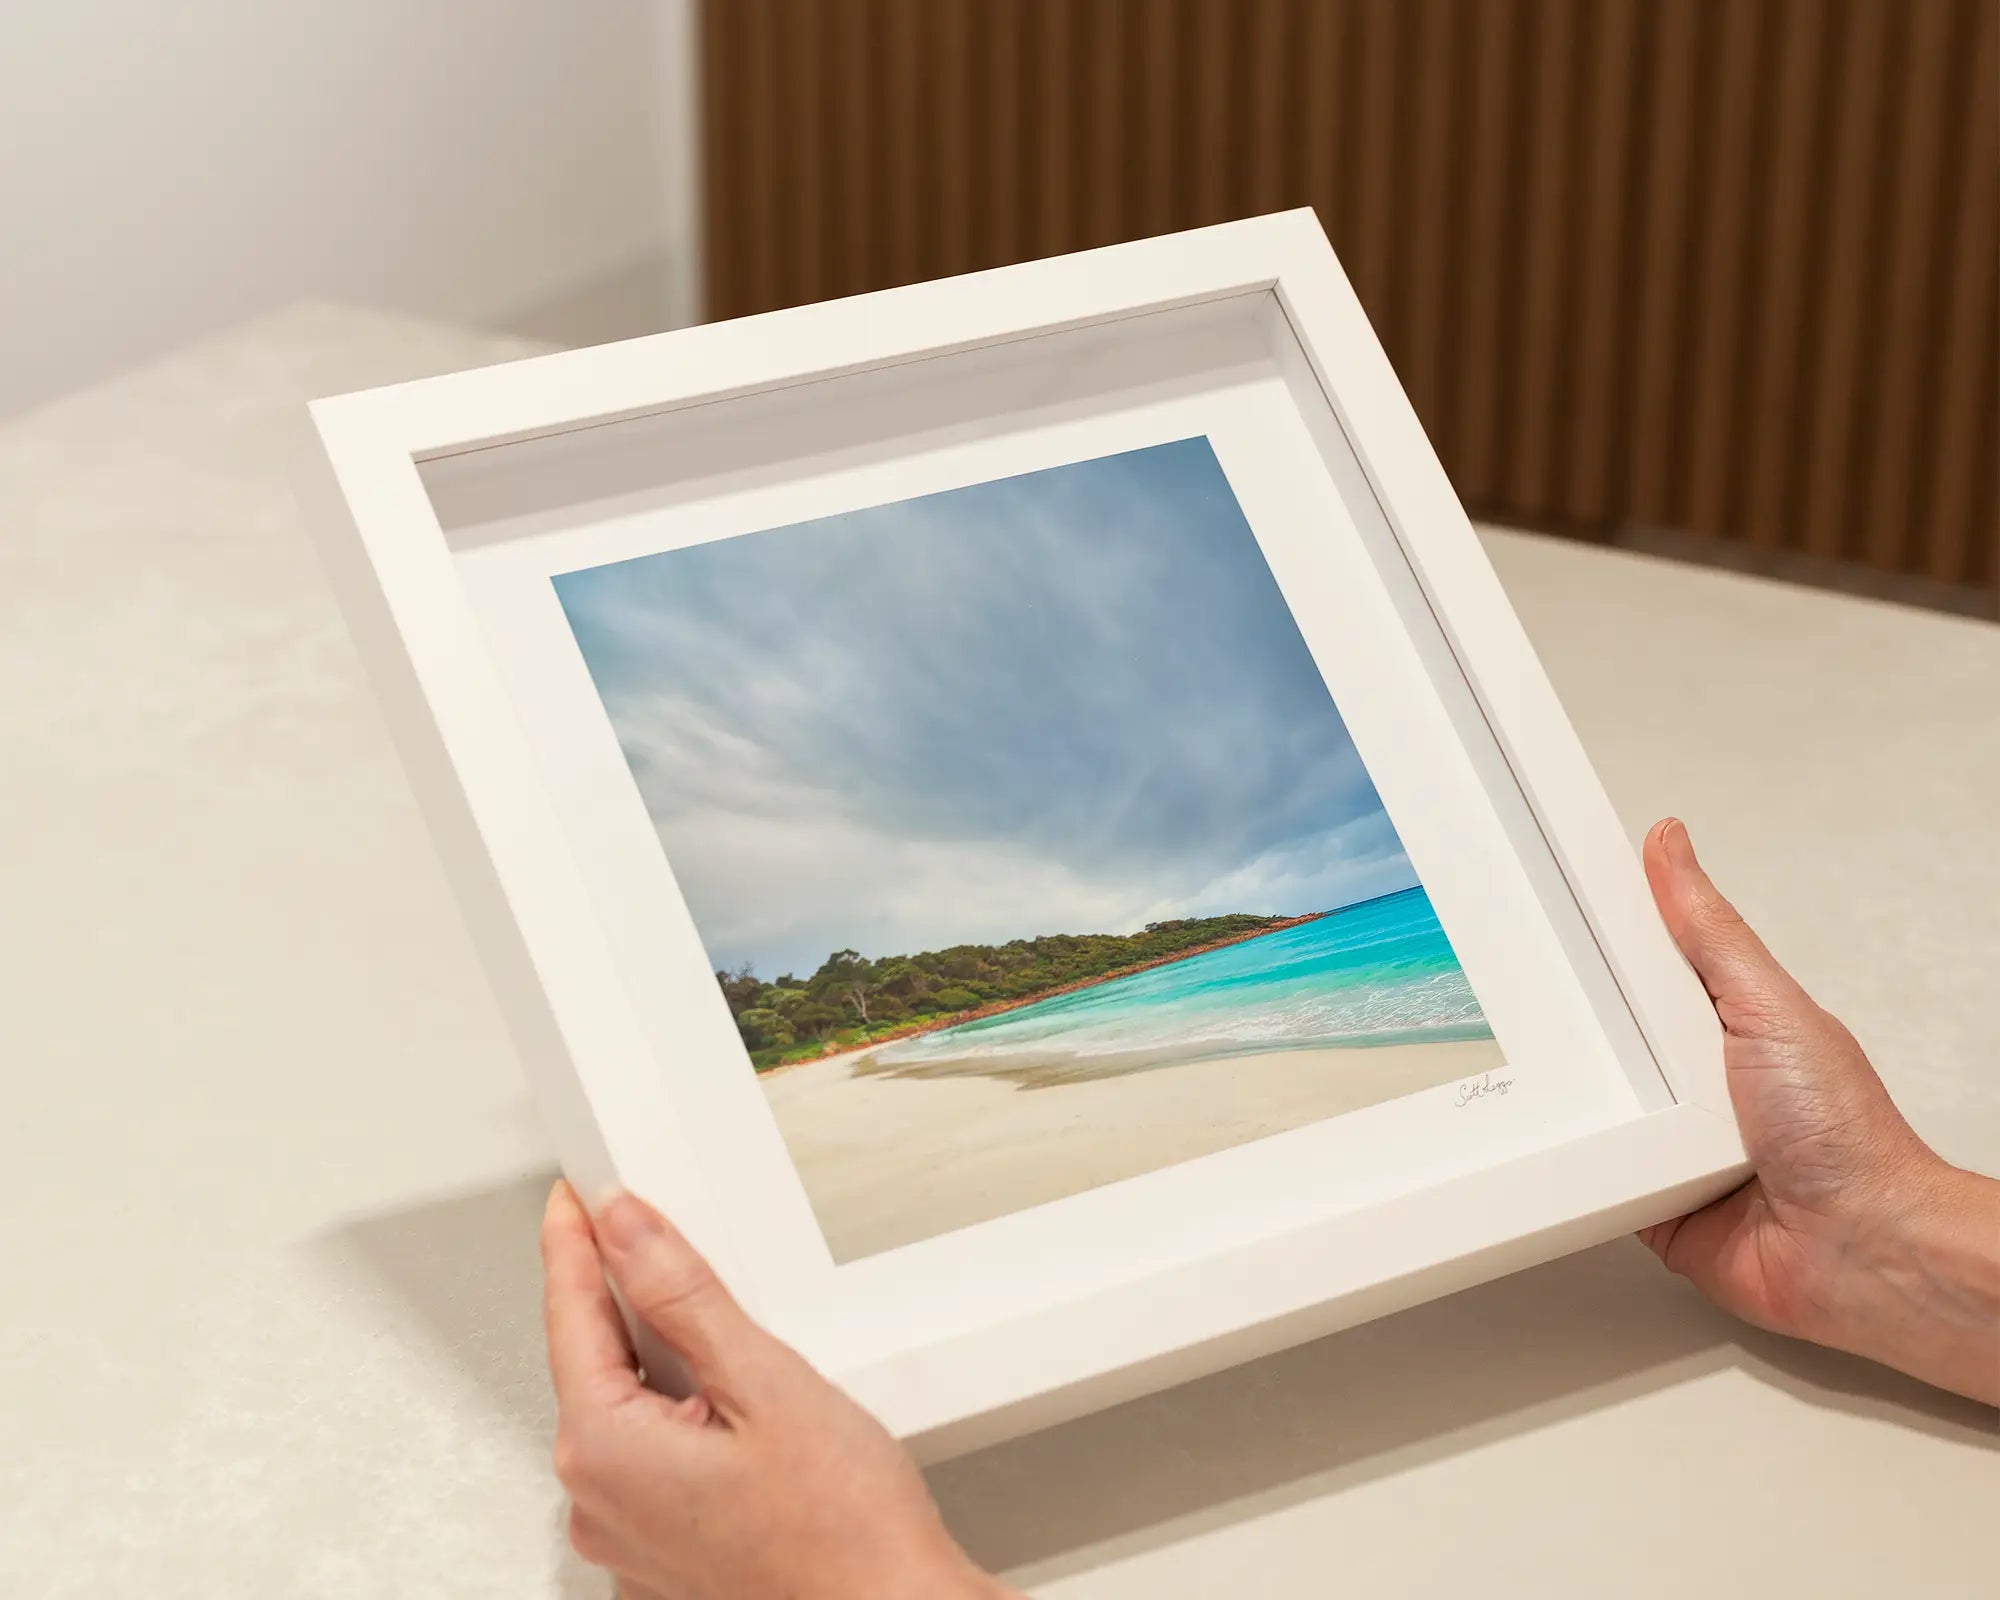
1016,810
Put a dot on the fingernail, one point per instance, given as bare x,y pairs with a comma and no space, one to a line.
1679,847
628,1223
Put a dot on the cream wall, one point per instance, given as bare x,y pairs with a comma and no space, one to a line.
169,167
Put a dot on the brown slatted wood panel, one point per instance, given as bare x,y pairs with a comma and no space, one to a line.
1727,266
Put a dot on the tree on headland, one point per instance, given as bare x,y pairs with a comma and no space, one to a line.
851,975
740,987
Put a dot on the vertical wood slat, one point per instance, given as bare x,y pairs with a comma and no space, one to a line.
1005,53
1535,414
1609,138
853,205
1778,275
1983,567
1106,100
1701,263
1835,370
1211,112
958,71
1267,112
1488,213
1372,90
1159,60
1316,75
722,236
1428,125
904,134
1053,121
762,272
1664,193
1726,201
1882,537
797,180
1960,541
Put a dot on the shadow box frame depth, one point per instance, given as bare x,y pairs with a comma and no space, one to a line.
415,491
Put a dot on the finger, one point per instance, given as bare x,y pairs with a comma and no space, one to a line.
676,1293
1659,1237
1751,991
589,1537
589,1361
693,1410
1717,1246
603,1543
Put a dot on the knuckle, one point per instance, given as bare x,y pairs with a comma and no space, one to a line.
577,1458
1759,1012
1837,1038
676,1287
586,1538
1715,916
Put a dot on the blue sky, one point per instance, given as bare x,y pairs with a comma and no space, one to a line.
1071,701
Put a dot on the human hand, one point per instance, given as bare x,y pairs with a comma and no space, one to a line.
769,1484
1853,1233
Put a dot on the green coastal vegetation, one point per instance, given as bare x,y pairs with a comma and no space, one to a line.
853,1001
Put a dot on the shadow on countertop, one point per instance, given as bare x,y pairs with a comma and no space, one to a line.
1494,1361
1491,1362
463,1274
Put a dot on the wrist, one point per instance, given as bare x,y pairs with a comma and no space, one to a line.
967,1582
949,1574
974,1584
1917,1284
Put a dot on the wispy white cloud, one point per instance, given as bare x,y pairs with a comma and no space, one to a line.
1073,700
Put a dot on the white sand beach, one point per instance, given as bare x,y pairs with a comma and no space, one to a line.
889,1159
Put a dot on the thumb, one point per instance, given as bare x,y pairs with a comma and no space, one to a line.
1753,995
675,1293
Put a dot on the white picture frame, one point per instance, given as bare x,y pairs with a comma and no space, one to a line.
442,506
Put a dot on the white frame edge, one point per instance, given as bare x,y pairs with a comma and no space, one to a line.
389,560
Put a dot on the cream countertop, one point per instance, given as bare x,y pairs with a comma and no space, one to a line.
269,1226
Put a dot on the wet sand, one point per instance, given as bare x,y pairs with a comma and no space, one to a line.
890,1156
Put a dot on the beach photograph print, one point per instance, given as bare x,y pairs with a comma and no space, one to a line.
1026,843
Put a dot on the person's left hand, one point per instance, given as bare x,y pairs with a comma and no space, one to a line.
769,1484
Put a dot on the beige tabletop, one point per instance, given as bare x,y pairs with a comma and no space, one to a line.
268,1324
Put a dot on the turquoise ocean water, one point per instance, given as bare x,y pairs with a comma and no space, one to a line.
1377,973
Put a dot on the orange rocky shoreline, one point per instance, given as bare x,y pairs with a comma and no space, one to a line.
994,1008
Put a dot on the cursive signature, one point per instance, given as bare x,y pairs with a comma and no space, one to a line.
1484,1085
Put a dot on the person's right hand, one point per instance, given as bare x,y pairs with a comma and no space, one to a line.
770,1484
1853,1233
